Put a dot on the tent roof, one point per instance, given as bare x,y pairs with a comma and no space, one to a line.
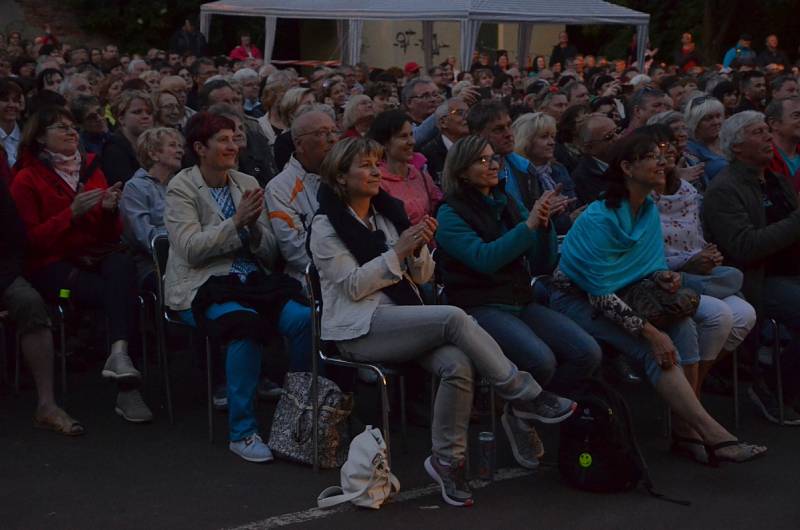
541,11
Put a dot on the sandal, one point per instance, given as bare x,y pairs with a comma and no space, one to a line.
692,448
60,422
746,453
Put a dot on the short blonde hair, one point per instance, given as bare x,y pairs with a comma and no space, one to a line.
529,126
123,102
290,102
153,140
349,116
696,112
338,161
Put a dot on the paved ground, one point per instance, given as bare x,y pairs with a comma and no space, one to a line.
168,476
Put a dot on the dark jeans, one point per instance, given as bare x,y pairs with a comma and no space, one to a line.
781,301
110,287
553,348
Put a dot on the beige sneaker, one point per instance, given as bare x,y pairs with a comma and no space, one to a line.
132,407
119,366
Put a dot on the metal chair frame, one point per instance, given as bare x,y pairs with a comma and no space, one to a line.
319,355
160,246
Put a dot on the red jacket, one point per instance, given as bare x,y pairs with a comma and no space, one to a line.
44,199
240,53
779,167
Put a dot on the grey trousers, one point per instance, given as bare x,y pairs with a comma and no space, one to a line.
447,342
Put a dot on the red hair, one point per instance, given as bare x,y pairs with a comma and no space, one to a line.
204,125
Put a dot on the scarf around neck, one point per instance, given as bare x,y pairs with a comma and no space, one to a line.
607,249
366,244
66,167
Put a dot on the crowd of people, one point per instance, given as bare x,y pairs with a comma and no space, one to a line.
586,174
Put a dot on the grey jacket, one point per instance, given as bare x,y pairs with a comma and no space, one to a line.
351,292
202,242
142,209
734,219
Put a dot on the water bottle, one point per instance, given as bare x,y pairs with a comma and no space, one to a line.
486,445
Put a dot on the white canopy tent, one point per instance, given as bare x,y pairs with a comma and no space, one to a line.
469,13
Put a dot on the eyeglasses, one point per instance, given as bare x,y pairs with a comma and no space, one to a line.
486,160
319,133
699,100
426,96
458,112
63,128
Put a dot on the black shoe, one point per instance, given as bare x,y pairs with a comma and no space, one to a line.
455,489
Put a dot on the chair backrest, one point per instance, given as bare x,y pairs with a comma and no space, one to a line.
315,297
160,246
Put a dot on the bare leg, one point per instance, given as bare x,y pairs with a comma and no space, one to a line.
37,348
679,426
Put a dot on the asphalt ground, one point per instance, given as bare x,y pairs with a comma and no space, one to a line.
127,476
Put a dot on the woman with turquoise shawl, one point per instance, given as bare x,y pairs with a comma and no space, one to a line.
617,241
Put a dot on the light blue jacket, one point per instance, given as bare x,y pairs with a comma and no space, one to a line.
142,208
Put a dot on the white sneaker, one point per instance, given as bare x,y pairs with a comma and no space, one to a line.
119,366
252,449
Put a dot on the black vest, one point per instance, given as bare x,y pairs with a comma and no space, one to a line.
466,287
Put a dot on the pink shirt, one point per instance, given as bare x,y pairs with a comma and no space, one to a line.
417,191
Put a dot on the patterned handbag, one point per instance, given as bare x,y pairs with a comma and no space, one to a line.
291,436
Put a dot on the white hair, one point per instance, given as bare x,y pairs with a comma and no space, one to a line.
134,63
266,70
459,87
529,126
667,118
349,114
732,132
245,74
640,79
695,113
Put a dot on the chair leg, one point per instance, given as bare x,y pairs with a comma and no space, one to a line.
735,360
63,336
315,407
385,414
209,387
164,366
403,419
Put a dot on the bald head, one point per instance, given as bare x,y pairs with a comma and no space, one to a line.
313,134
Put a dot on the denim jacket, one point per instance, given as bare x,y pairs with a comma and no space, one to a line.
142,209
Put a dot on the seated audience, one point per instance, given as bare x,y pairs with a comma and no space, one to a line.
220,244
291,196
596,135
567,151
689,167
370,260
399,176
73,226
451,119
159,151
704,116
535,139
133,112
783,118
615,243
752,215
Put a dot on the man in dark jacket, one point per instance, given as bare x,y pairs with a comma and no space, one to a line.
596,135
451,118
27,310
752,215
772,58
753,86
562,51
187,40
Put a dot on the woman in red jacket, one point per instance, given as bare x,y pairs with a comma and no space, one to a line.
73,227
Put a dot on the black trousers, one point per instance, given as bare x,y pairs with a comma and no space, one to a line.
109,287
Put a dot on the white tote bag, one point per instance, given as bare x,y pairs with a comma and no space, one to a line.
366,478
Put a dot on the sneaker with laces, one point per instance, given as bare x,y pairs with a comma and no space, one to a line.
132,407
220,398
546,408
767,403
452,480
523,438
252,449
268,390
119,366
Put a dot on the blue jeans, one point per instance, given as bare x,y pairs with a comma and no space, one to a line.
243,360
543,342
637,349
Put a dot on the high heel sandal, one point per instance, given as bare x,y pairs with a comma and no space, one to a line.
684,446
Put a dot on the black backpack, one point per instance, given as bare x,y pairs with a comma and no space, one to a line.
598,451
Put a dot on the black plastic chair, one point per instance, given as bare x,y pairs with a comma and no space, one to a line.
160,246
326,352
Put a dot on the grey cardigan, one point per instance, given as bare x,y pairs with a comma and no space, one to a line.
202,242
351,292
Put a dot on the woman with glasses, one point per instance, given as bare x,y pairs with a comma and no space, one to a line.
371,260
704,116
615,243
73,226
535,139
723,319
93,128
490,247
401,175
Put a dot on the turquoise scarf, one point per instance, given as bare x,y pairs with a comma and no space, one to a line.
606,249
